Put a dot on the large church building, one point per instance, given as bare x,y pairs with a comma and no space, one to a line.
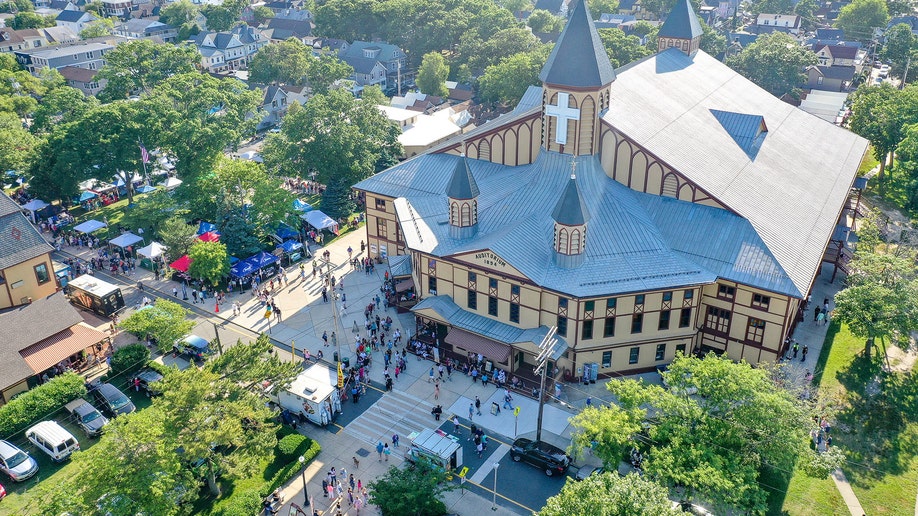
670,205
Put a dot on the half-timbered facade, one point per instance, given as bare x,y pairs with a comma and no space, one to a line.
670,206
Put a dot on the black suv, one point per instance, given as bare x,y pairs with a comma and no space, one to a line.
542,455
146,380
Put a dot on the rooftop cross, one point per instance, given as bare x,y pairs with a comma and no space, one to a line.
563,113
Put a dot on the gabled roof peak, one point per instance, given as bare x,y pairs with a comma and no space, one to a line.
681,23
571,210
462,185
579,58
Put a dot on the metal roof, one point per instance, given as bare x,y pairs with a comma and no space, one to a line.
462,185
681,22
791,192
579,58
571,210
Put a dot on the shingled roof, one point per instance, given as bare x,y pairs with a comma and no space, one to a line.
19,240
579,58
681,23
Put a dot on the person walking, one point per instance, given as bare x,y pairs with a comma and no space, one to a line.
805,350
471,410
395,440
430,375
379,450
507,399
455,424
194,296
437,391
387,451
796,348
477,405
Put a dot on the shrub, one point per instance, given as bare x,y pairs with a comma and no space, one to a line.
288,446
37,403
245,503
161,368
128,359
308,449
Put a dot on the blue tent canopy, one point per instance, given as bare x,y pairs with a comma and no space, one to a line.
241,269
261,260
146,189
290,246
206,227
299,205
233,260
85,196
284,232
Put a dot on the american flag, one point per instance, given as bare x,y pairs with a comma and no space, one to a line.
144,155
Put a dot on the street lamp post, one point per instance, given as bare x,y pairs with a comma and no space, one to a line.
305,494
494,498
548,348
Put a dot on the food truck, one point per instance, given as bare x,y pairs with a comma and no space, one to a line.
437,447
94,294
313,395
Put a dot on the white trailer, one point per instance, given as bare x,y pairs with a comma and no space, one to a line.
438,447
313,395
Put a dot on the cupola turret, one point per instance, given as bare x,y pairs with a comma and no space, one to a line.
571,217
681,29
462,193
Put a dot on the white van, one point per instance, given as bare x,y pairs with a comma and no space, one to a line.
53,439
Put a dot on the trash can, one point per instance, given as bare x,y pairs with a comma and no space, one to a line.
346,361
336,356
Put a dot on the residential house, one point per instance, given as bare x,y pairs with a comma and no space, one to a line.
282,7
789,23
420,131
145,28
910,20
391,57
367,72
297,94
322,45
63,5
830,34
74,20
59,35
274,106
556,7
829,78
26,271
233,50
83,79
837,55
117,8
635,8
12,40
614,21
280,29
84,55
37,336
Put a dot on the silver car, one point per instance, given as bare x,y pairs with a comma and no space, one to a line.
16,463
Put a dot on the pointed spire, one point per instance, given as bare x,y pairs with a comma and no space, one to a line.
682,22
462,185
571,210
579,58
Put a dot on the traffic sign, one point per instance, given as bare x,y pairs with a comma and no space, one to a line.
516,411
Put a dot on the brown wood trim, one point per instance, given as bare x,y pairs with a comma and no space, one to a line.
497,129
578,88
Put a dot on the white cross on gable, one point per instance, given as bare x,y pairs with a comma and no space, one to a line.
563,113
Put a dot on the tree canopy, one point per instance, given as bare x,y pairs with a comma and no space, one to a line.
286,62
775,62
608,494
413,491
718,443
622,49
140,65
507,81
209,261
859,18
165,321
432,75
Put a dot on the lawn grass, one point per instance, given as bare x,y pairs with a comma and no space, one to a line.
875,428
867,163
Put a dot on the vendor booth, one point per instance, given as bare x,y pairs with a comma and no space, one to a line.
303,206
210,236
146,189
125,240
181,264
241,269
320,221
152,255
32,207
207,227
90,226
293,250
171,183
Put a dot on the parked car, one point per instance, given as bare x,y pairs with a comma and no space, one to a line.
146,380
87,417
53,439
542,455
194,347
113,400
588,471
16,463
691,508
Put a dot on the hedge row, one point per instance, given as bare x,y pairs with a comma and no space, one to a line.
128,359
308,450
161,368
38,403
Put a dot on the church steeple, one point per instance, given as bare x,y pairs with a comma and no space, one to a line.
575,86
462,192
571,217
681,29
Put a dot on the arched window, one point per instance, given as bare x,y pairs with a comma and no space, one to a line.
454,213
563,241
575,241
465,218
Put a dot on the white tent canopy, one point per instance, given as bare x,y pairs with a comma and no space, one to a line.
319,220
252,156
171,182
90,226
34,205
125,240
152,251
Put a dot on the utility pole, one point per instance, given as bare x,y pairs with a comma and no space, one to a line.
548,348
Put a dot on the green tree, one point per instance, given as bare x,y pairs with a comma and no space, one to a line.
374,95
773,7
879,113
480,54
165,321
241,237
720,443
350,20
225,16
95,7
325,70
17,145
16,6
177,235
262,14
899,47
543,21
881,299
600,7
209,261
859,18
30,20
198,116
286,62
341,138
622,49
98,28
432,75
775,62
179,13
712,41
611,495
806,9
61,106
51,176
411,491
507,81
141,64
151,210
